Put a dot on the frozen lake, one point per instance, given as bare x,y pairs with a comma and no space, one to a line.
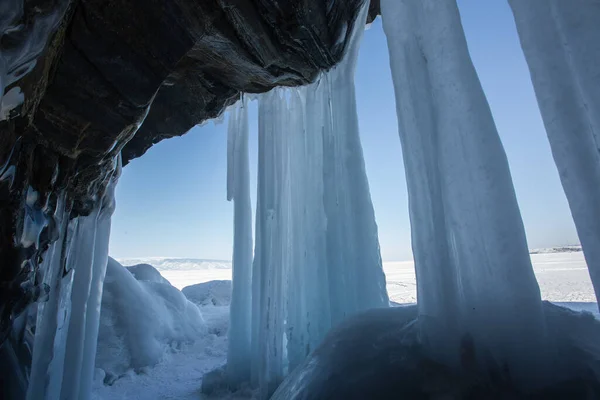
563,277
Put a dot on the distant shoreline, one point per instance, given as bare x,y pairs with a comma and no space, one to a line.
187,263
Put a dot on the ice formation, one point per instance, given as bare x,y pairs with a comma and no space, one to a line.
238,190
474,275
66,335
317,254
561,42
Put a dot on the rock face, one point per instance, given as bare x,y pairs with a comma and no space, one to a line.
100,77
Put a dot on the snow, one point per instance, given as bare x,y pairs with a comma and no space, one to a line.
562,277
561,43
146,272
238,190
179,373
140,320
474,273
216,293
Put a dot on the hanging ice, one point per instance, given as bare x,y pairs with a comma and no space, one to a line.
64,347
474,275
561,42
238,190
317,254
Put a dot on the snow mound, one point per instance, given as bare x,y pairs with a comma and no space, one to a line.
140,320
146,272
386,341
215,293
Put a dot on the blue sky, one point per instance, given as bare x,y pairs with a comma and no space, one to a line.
172,201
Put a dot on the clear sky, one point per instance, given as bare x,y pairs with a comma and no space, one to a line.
172,201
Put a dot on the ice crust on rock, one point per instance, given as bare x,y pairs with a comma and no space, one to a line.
561,42
378,355
474,275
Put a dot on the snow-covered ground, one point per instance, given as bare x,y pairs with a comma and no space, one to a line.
563,279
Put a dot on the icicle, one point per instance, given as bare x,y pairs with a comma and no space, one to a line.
66,332
353,255
238,189
561,42
81,258
317,255
269,271
92,317
52,319
474,274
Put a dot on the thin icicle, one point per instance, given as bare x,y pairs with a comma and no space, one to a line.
238,190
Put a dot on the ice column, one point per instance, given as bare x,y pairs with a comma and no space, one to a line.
270,269
474,275
317,254
561,42
238,190
353,257
66,335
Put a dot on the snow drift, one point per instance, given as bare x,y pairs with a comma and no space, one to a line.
146,272
140,319
215,293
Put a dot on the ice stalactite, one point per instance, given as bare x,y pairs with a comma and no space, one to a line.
238,190
64,347
561,42
52,317
474,275
317,256
269,268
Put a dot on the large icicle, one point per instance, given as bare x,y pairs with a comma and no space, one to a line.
353,255
64,347
474,274
317,254
561,42
52,317
269,269
238,190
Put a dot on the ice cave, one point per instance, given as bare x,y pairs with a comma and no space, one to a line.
87,86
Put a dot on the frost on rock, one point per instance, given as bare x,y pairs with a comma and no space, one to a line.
66,331
561,42
474,275
316,257
238,190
